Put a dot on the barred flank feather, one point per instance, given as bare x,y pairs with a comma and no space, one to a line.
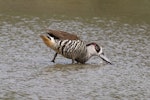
73,49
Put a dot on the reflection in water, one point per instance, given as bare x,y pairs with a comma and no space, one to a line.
27,73
70,67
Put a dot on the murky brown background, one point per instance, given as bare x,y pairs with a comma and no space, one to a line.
122,27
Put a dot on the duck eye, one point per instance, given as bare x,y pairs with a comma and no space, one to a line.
97,48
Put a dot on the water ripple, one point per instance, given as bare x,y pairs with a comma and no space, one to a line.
27,73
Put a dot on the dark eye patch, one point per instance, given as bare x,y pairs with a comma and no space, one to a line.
97,48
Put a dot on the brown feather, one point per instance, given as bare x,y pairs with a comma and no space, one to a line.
63,35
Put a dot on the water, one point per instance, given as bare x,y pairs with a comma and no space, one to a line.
26,72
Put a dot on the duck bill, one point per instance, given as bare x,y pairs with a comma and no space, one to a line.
105,58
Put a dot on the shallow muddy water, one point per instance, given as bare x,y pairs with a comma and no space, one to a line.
26,70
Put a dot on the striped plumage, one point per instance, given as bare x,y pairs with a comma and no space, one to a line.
61,35
73,49
76,50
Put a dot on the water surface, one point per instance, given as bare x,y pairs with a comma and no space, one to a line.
25,68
